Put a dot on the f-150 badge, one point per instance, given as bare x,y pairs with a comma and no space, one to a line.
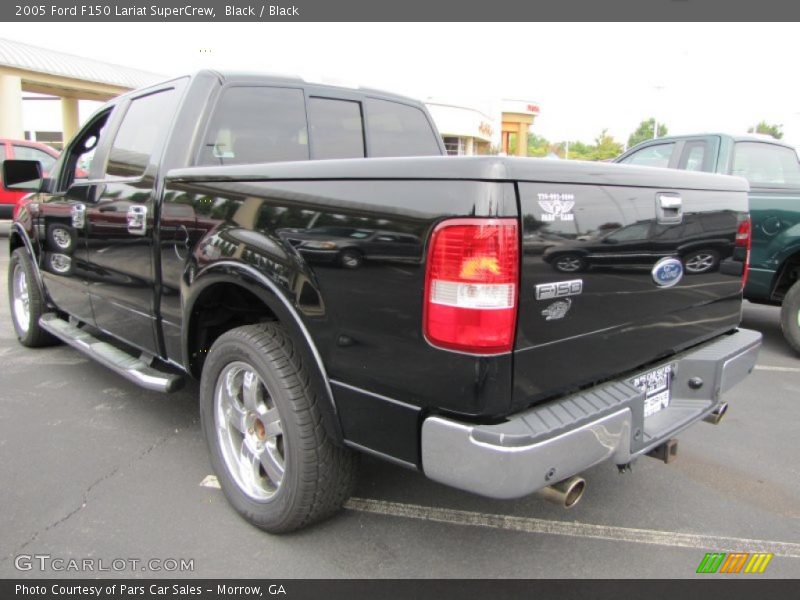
557,207
557,310
559,289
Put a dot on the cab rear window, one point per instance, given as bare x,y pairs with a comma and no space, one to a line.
766,164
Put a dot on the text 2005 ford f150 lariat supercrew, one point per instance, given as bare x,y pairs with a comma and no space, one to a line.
386,300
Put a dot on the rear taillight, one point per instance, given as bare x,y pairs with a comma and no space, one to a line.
471,285
743,240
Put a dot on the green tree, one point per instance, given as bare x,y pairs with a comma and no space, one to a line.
645,132
538,146
767,129
605,146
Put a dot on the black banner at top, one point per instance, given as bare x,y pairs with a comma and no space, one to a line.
404,10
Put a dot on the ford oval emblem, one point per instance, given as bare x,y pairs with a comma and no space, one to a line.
667,272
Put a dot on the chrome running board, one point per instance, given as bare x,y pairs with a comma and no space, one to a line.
130,367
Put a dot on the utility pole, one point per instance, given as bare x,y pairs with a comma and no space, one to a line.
658,89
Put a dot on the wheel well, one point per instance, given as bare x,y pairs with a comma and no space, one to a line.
788,274
219,308
14,241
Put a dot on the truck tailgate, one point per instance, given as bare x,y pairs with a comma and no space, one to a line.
593,304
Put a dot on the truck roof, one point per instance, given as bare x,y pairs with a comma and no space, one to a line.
739,137
262,78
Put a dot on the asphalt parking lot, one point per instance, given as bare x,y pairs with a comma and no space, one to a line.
93,467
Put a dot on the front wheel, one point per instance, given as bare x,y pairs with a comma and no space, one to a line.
27,303
351,259
263,425
790,316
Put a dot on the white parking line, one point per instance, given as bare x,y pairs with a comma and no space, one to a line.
579,530
778,369
210,481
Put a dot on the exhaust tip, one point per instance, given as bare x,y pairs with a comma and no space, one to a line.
716,415
566,493
575,492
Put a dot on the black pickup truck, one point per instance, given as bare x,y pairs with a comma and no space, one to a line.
385,299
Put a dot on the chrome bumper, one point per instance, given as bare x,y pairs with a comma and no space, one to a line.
554,441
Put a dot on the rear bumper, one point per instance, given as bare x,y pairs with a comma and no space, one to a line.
552,442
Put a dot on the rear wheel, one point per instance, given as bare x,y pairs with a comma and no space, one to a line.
701,261
269,448
27,303
790,316
569,263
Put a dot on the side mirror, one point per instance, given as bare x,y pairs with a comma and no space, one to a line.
22,175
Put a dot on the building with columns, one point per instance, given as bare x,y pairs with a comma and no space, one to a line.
469,130
465,130
518,116
54,75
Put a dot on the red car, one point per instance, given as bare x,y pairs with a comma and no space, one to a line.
25,150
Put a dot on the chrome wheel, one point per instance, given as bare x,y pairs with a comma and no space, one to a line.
700,263
569,264
249,431
62,238
351,259
21,300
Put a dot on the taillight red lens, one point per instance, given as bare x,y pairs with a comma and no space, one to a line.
744,238
471,284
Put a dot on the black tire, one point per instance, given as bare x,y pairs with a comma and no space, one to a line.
26,327
351,259
569,263
318,476
701,261
790,316
59,264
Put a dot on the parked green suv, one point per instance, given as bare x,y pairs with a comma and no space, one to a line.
773,170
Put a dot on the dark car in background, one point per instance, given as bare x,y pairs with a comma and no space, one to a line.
349,247
702,241
23,150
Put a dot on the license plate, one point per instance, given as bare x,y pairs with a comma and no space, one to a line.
656,385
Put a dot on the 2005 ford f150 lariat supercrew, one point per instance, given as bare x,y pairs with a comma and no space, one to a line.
385,300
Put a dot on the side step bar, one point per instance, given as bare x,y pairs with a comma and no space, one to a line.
130,367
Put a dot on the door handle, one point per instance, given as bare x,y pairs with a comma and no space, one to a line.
669,208
137,219
78,214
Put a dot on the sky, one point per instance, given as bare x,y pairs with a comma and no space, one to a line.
586,77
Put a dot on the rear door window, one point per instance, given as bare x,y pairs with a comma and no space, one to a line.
766,164
337,128
396,129
657,155
256,125
693,157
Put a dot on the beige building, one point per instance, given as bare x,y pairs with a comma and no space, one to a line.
465,130
468,130
67,78
517,119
